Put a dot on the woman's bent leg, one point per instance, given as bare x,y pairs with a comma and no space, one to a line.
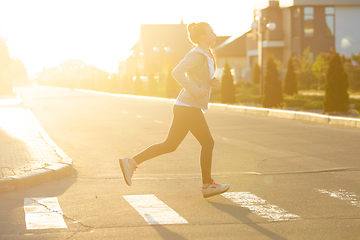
176,135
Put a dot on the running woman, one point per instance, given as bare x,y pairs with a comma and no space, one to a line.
195,73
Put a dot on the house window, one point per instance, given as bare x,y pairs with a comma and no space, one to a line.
308,21
330,21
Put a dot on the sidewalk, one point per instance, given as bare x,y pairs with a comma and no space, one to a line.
27,155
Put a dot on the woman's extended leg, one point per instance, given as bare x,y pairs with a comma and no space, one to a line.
196,123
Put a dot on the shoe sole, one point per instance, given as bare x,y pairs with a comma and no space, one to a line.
123,172
214,194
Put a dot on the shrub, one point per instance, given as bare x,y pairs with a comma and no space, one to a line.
256,74
272,88
248,98
138,85
357,107
171,85
295,101
336,87
290,83
227,85
313,105
152,85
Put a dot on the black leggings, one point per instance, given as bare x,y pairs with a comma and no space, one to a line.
185,119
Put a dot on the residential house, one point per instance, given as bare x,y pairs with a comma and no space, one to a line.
319,24
161,46
233,50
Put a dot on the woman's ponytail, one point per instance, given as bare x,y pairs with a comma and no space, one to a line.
196,30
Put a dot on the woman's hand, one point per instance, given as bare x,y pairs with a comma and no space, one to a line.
215,82
202,93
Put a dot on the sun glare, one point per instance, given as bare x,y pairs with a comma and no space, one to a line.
101,33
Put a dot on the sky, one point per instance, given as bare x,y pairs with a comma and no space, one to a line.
45,33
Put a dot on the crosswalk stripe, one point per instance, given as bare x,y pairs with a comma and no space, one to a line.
260,206
154,211
342,195
43,213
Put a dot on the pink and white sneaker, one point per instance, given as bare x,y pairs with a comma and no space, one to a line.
127,170
214,189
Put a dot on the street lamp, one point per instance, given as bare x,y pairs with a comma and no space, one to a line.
258,25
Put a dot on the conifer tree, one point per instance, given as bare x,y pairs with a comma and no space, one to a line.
336,87
256,74
5,74
138,84
126,84
170,84
290,83
273,96
227,85
152,85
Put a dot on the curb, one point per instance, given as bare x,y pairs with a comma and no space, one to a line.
11,101
35,177
285,114
292,115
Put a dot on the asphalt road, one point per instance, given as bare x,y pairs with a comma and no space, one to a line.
288,179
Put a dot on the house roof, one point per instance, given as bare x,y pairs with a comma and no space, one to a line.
234,46
291,3
72,63
220,41
172,36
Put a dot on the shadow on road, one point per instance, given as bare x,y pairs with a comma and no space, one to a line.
241,214
167,234
163,231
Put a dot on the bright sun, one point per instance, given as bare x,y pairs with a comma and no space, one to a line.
45,33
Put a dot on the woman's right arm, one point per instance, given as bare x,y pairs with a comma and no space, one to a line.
191,60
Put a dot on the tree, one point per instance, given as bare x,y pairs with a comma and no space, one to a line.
152,84
272,88
138,84
170,84
126,84
227,85
5,73
352,68
290,83
319,68
336,87
304,69
256,74
18,71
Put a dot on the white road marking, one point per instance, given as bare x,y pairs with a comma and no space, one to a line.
154,211
157,121
342,195
43,213
260,206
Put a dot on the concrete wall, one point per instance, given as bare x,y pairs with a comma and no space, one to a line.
286,26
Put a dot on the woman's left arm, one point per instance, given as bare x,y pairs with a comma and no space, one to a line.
215,82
